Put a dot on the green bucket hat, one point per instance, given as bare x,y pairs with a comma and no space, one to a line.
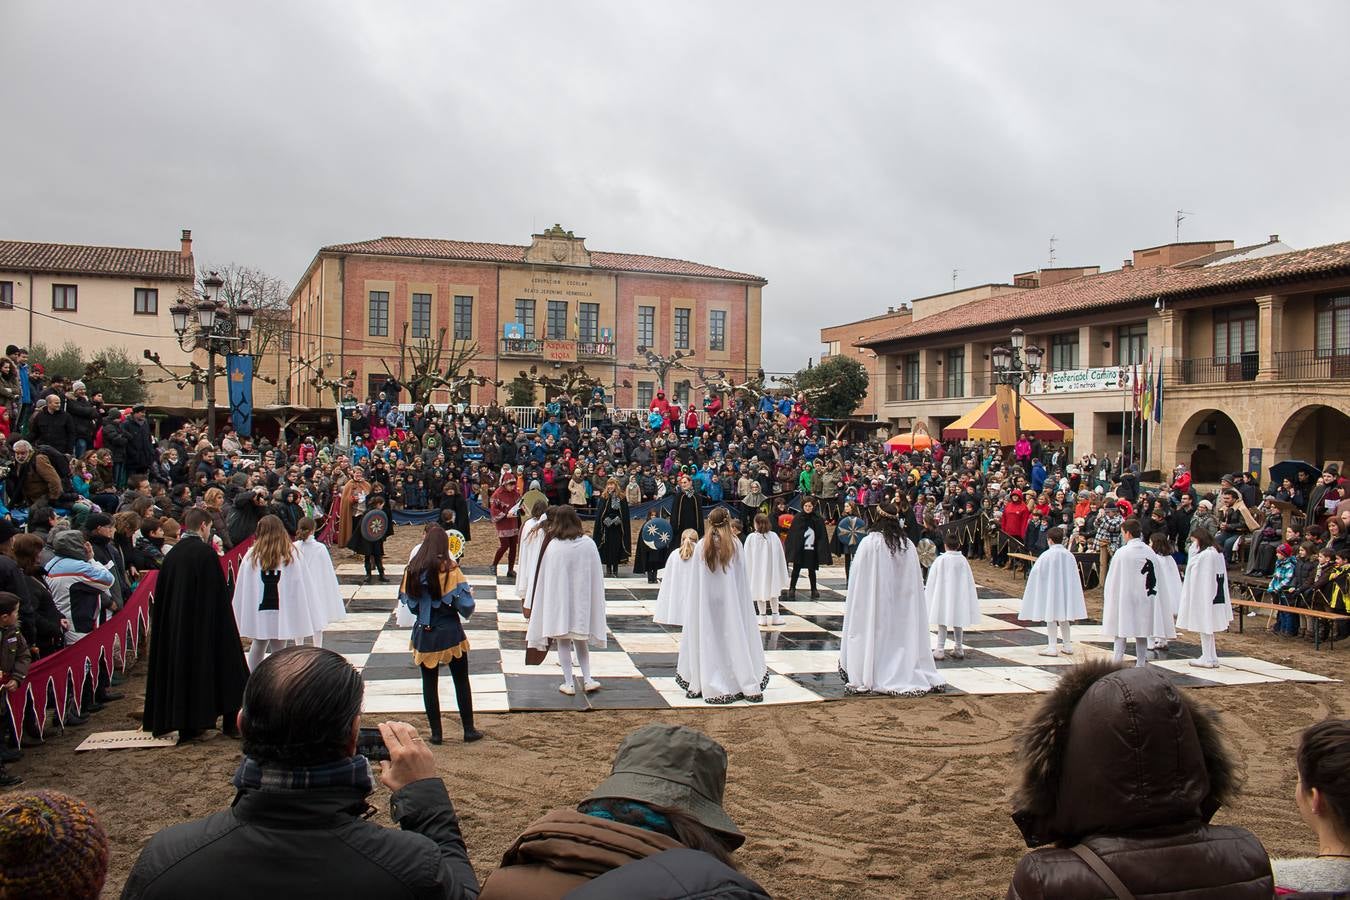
675,767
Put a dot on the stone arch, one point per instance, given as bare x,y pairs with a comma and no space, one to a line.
1210,444
1315,433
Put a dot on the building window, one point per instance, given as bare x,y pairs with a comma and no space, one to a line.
556,326
146,302
717,331
681,394
421,315
463,318
1234,333
6,295
1333,326
379,314
1132,345
682,329
1064,352
284,341
525,318
65,297
198,392
646,390
646,327
909,376
588,319
956,372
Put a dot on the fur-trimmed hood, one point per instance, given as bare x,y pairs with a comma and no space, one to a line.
1115,750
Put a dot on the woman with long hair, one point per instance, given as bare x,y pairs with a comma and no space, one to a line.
272,599
531,542
885,648
567,599
317,564
1206,607
677,582
721,656
431,585
767,569
612,528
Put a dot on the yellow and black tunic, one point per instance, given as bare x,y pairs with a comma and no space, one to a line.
438,636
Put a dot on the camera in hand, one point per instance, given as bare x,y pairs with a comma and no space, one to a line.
370,744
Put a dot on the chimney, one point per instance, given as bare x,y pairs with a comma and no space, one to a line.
1127,264
1274,239
187,243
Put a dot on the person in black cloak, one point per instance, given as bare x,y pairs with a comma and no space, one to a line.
646,559
612,534
197,669
454,508
807,546
685,511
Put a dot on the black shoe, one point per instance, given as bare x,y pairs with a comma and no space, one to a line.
74,718
10,754
7,780
186,735
106,696
92,706
815,595
436,739
511,575
383,580
471,736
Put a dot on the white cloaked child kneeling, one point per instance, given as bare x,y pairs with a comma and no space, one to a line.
678,582
952,601
1054,593
1206,607
885,648
567,600
767,568
272,600
721,655
317,564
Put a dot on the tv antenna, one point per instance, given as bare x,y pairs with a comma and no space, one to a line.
1181,217
1053,240
954,273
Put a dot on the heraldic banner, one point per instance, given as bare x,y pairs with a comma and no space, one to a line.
240,368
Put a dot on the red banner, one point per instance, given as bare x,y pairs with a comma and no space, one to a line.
64,673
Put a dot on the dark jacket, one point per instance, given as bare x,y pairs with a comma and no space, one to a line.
14,655
115,439
84,416
671,875
244,516
1121,761
314,844
795,544
54,428
140,449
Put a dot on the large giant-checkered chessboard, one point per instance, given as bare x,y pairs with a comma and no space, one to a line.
637,668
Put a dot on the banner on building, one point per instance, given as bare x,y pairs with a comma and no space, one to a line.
240,369
1007,422
1108,378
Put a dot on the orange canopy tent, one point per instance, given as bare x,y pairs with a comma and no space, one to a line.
981,423
909,440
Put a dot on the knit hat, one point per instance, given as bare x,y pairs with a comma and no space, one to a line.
51,845
1285,550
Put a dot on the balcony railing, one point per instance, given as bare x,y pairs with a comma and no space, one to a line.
902,392
945,389
1312,365
522,347
538,346
1218,369
595,349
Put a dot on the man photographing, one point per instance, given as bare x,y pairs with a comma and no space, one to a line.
297,826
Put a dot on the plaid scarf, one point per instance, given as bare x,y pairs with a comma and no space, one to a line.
353,772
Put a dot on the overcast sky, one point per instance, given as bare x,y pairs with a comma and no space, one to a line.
853,154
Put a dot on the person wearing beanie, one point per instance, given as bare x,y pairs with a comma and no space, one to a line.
51,846
1281,590
85,415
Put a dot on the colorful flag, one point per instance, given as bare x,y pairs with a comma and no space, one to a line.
1158,394
1135,387
1146,402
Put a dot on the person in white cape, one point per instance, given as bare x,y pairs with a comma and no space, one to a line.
1133,605
677,582
272,599
317,564
567,601
767,568
885,648
531,539
1169,583
1054,593
952,600
1206,607
721,656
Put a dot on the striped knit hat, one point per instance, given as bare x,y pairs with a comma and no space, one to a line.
51,845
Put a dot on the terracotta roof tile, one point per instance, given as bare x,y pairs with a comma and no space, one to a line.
476,251
1124,288
81,259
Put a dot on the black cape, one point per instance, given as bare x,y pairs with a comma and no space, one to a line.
612,541
197,669
685,513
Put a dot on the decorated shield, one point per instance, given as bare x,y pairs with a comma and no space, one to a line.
375,525
657,534
852,530
531,497
456,541
927,552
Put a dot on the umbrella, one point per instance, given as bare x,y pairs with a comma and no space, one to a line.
906,441
1290,469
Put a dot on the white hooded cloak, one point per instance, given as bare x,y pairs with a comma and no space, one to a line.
531,539
678,583
322,578
1054,591
721,654
1134,602
952,600
765,565
300,615
568,600
1206,607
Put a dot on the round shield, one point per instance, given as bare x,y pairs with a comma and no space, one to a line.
375,525
657,534
456,541
852,530
927,552
531,497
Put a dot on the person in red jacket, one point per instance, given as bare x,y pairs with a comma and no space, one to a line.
691,420
661,405
1012,523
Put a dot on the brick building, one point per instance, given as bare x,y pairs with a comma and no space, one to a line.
552,303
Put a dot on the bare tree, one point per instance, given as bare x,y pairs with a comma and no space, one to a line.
268,295
429,364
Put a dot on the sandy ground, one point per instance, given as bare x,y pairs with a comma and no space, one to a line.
855,799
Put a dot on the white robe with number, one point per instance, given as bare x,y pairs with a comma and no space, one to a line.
952,600
568,600
1054,591
323,581
886,646
298,616
1129,610
678,583
531,539
765,565
1206,581
721,655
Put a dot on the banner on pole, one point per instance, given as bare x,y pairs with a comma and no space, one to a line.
240,369
1007,426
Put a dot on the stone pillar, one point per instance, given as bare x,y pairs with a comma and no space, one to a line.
968,378
1269,335
1089,348
926,370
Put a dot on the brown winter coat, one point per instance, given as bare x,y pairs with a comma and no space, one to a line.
566,849
1122,761
14,655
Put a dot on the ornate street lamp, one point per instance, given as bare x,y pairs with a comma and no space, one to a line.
1015,364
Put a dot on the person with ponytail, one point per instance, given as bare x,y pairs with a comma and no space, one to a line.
273,602
721,657
567,599
885,647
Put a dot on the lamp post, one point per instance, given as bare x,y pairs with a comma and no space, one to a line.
1015,364
218,329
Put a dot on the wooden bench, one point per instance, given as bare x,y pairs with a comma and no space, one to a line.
1250,587
1026,559
1295,610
